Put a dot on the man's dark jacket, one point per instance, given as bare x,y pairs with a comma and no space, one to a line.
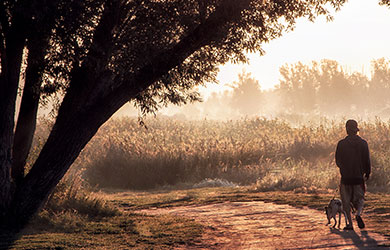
353,159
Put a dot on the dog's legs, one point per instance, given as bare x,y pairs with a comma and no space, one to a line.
335,221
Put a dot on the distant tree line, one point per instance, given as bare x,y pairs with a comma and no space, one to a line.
325,88
321,88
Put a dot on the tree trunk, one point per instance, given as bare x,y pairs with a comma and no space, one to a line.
9,79
26,123
70,134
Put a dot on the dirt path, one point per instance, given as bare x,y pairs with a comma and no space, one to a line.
260,225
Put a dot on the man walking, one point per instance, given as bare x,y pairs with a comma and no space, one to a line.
353,159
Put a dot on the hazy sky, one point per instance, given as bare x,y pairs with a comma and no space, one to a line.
358,35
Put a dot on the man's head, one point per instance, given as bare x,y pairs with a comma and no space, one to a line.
352,127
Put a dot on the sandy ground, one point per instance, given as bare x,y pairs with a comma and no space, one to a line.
260,225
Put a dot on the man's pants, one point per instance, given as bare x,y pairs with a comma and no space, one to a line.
352,194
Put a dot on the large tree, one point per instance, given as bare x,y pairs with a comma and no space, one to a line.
96,55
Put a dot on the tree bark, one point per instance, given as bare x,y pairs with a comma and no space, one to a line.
9,80
26,122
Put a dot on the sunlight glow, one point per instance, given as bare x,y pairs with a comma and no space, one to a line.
358,35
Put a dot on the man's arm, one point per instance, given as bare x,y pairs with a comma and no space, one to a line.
366,161
337,155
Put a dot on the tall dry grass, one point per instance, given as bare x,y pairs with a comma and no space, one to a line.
269,152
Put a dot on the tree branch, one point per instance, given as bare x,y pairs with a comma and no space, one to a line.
206,33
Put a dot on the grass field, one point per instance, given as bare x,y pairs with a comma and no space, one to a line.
270,152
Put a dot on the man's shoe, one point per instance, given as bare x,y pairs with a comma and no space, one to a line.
360,221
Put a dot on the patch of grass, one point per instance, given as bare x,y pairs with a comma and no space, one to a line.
75,218
135,200
70,208
120,232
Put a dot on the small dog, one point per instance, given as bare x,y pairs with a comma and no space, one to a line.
335,207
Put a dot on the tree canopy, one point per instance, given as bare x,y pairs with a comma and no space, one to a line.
96,55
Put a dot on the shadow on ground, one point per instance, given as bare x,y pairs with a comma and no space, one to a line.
8,239
360,239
